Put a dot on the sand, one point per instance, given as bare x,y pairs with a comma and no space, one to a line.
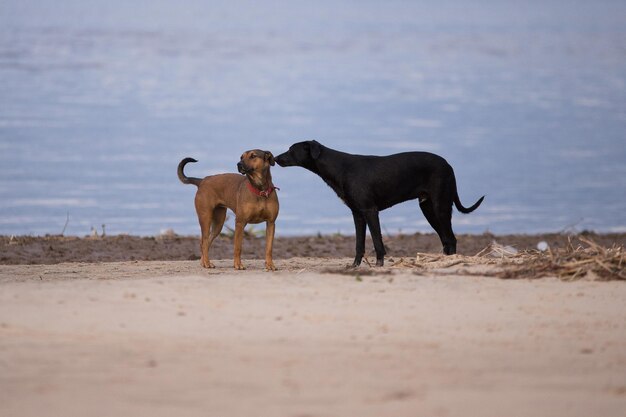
167,338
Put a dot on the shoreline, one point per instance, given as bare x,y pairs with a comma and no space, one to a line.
18,250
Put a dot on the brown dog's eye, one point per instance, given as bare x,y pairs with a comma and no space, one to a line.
253,156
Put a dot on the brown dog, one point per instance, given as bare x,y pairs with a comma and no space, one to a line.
251,197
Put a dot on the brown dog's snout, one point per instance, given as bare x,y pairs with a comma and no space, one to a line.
242,167
254,160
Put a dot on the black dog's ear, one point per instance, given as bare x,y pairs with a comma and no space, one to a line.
269,157
315,149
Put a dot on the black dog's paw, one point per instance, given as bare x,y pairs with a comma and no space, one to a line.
356,263
449,249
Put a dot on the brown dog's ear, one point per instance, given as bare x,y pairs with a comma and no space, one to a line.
315,149
269,157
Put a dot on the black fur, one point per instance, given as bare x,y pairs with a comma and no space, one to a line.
369,184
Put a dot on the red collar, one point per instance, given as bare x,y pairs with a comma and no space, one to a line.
265,193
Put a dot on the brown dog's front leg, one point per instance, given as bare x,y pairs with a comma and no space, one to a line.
269,243
239,226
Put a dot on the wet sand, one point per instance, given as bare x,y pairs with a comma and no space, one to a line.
55,249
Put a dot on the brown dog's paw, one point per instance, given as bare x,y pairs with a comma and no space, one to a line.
239,267
270,266
207,264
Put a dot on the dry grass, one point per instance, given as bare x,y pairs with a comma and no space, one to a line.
585,259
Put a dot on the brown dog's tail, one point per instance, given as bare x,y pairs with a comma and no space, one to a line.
459,206
181,175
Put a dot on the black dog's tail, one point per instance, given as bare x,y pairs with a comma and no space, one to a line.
181,175
462,209
459,206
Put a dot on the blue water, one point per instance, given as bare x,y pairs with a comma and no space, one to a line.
99,101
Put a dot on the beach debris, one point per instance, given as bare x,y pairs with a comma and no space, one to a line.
543,246
167,233
436,261
496,250
586,260
67,220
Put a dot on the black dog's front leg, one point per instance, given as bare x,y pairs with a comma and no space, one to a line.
359,226
371,217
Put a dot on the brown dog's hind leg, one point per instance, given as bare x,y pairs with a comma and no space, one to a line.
219,217
239,226
217,222
269,242
205,240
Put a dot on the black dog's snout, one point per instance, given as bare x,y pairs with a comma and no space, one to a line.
281,159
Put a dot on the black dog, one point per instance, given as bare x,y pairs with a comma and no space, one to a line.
369,184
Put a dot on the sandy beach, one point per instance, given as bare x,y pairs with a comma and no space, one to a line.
165,338
105,310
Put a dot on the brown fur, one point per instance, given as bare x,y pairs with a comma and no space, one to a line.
216,193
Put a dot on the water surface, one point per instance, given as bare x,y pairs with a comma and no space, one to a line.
99,101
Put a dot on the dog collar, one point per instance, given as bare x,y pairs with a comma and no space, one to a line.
265,193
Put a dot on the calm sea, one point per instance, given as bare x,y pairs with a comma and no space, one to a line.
99,101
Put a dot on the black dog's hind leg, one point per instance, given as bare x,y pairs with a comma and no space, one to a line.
371,217
444,216
359,226
429,213
442,224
